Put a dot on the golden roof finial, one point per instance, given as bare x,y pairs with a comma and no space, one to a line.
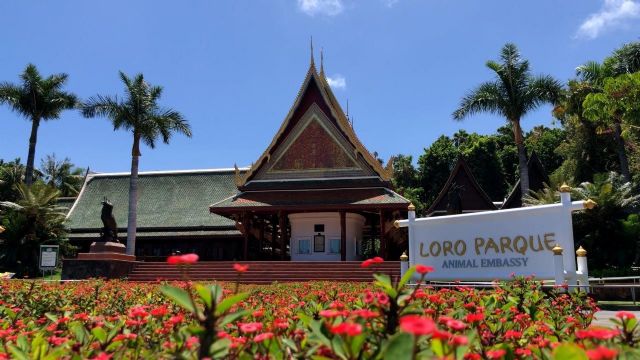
404,256
312,61
322,62
581,252
589,204
557,250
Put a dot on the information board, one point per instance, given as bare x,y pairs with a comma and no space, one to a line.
49,256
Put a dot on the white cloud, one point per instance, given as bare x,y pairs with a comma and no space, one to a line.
337,82
612,14
321,7
390,3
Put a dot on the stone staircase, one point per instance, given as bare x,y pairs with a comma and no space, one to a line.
265,272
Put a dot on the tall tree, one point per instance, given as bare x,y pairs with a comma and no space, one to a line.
139,113
37,99
616,106
62,175
512,94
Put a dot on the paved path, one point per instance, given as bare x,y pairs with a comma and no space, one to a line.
602,317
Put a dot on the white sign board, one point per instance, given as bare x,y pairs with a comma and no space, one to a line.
48,256
493,245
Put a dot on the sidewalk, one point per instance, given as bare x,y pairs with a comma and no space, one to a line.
602,317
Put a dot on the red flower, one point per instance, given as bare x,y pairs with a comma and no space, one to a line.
240,268
473,318
185,259
263,337
365,313
597,333
423,269
330,313
459,340
369,262
513,334
624,315
602,353
454,324
417,325
351,329
102,356
496,354
472,356
251,327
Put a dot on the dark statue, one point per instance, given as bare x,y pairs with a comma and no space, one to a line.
109,231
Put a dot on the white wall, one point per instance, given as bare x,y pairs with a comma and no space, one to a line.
302,226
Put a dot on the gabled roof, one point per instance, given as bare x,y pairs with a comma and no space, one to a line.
472,197
315,91
537,178
169,202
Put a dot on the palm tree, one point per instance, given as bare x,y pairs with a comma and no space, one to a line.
62,175
37,98
33,219
139,113
513,93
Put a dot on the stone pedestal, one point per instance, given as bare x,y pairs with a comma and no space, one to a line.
105,260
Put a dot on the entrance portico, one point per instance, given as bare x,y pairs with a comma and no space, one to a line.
316,193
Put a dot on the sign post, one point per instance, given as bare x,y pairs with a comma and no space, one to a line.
49,257
494,245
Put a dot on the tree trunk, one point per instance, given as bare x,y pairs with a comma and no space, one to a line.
522,159
33,139
622,153
133,197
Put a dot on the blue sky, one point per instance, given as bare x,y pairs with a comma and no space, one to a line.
233,68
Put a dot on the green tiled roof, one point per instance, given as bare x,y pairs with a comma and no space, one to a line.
66,203
172,199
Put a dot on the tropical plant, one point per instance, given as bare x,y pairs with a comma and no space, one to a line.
32,220
513,94
139,113
36,98
62,175
617,106
11,174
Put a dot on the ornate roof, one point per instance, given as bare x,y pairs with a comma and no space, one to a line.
316,200
468,193
173,203
344,154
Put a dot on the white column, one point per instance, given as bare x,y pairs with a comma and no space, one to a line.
412,239
583,269
565,199
404,264
558,266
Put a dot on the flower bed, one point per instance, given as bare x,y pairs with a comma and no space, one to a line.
117,319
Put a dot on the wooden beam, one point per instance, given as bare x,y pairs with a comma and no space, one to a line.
245,243
343,236
283,235
261,239
274,236
383,238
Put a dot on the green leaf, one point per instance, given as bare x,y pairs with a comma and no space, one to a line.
406,277
179,296
220,348
384,282
569,351
437,348
227,303
99,334
233,317
52,317
400,347
205,294
17,353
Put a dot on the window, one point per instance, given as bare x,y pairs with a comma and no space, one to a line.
334,246
318,243
318,228
304,246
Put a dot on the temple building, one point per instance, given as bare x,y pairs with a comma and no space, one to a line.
315,194
461,194
537,180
